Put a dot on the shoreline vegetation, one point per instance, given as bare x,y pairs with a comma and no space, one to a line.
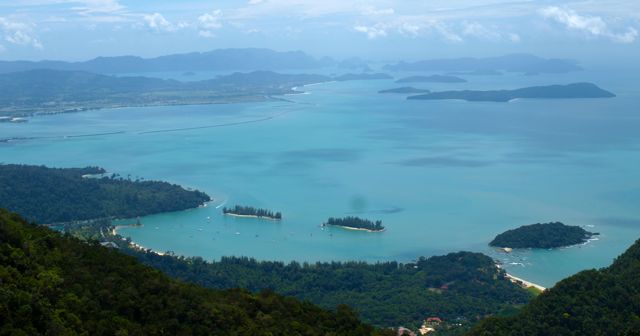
251,212
356,224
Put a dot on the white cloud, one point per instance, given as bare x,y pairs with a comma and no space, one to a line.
490,33
255,2
591,25
372,11
157,22
19,33
209,22
371,32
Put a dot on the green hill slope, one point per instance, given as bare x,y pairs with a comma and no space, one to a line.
56,285
593,302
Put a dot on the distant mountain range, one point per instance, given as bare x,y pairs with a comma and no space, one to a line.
247,59
523,63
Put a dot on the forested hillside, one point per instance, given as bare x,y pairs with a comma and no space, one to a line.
56,285
50,195
593,302
459,287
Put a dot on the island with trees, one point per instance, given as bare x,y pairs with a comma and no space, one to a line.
56,195
569,91
547,235
432,79
405,89
248,211
355,223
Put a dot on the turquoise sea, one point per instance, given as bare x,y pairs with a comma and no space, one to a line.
442,175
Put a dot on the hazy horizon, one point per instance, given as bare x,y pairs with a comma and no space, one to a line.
78,30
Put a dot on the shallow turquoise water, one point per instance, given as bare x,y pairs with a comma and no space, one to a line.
442,175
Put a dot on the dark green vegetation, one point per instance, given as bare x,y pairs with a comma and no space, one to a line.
362,76
57,285
593,302
575,90
432,79
355,223
511,63
547,235
48,91
251,211
51,195
460,286
405,89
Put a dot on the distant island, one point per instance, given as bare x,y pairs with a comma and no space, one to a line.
570,91
405,89
56,195
547,235
355,223
432,79
362,76
247,211
523,63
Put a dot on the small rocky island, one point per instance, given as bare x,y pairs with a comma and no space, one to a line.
405,89
247,211
547,235
355,223
570,91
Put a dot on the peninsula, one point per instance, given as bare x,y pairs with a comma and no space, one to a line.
355,223
405,89
247,211
547,235
432,79
57,195
570,91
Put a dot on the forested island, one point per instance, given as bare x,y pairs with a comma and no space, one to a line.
432,79
547,235
405,89
355,223
53,195
248,211
52,284
570,91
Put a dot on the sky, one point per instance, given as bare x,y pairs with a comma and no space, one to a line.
376,29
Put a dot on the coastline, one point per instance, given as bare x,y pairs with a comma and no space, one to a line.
522,282
252,216
355,229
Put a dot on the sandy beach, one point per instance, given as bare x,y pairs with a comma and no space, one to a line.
356,229
251,216
525,283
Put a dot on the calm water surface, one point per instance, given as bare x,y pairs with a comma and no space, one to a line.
442,175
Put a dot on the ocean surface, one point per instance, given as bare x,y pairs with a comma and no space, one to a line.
443,176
